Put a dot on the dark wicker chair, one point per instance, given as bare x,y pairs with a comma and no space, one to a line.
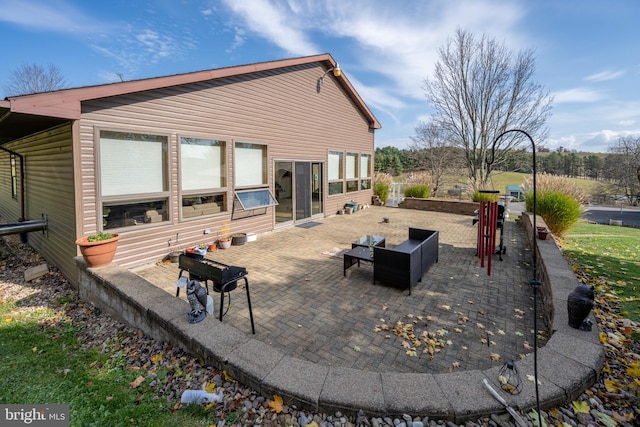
405,264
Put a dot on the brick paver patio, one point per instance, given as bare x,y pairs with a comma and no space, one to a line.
305,307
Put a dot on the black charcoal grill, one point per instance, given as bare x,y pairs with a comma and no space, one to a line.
224,278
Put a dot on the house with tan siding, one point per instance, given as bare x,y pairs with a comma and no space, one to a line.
166,162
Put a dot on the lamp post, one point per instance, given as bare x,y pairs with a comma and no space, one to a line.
535,283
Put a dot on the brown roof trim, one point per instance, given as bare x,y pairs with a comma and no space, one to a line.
66,103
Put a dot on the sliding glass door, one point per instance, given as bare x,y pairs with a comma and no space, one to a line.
299,191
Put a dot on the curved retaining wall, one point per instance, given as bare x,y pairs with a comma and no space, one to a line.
568,364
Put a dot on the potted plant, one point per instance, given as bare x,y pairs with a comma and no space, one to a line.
224,236
98,249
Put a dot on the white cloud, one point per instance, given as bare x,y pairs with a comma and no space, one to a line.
273,22
626,122
576,95
605,75
60,16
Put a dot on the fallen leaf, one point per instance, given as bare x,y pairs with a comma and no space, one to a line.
479,326
457,330
356,349
276,404
533,379
605,419
210,387
581,407
137,382
411,353
494,356
227,377
611,385
536,419
456,364
501,332
527,346
156,358
446,307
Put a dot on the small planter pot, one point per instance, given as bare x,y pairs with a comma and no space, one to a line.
212,247
224,244
543,233
174,256
98,254
239,239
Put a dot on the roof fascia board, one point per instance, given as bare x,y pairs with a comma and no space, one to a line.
66,103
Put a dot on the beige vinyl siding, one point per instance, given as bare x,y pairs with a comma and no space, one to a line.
281,109
49,189
9,207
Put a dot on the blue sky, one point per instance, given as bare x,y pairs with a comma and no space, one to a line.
587,51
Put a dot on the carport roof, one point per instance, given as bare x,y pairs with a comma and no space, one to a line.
27,114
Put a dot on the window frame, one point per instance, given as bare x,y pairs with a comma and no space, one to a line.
106,202
204,191
335,182
352,182
365,172
237,160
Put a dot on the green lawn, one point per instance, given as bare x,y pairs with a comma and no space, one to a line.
608,258
499,181
44,363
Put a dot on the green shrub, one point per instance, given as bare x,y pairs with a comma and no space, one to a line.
419,191
381,189
560,211
484,197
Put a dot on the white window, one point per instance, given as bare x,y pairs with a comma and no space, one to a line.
203,177
335,169
134,187
352,172
250,165
365,171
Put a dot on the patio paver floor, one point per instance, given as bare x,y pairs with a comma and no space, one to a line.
305,307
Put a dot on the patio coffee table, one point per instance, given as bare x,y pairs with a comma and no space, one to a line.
355,255
368,241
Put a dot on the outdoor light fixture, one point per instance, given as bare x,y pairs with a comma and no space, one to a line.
337,72
535,283
509,377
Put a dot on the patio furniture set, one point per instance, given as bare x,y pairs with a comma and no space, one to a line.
401,266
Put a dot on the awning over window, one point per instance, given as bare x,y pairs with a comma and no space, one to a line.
255,199
248,203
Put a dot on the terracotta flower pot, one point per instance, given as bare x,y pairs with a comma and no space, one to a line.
224,244
100,253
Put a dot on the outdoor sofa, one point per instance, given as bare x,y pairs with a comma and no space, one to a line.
403,265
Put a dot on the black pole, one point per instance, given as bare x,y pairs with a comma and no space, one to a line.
535,283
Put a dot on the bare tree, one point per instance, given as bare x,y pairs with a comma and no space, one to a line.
434,152
479,89
34,78
628,168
